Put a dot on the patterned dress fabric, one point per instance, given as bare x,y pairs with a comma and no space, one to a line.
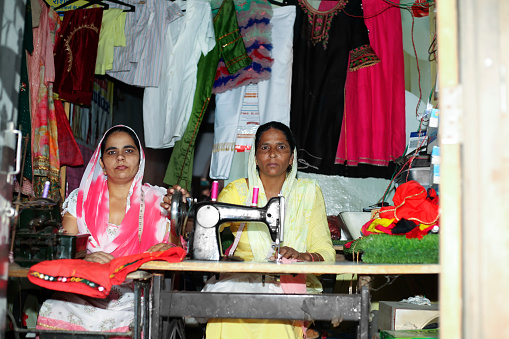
75,55
373,129
254,18
319,73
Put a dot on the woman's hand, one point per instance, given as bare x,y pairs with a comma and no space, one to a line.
290,253
160,247
166,203
100,257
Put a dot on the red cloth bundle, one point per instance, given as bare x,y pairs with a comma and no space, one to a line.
94,279
413,202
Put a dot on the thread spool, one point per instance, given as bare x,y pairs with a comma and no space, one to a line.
45,192
213,191
254,202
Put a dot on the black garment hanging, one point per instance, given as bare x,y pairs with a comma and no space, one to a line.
131,8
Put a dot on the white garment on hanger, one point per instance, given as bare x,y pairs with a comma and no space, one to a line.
139,63
167,108
274,95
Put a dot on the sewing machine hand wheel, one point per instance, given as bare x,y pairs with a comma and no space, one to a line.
36,203
178,214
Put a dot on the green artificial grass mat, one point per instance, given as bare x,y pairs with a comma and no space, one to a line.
395,249
339,242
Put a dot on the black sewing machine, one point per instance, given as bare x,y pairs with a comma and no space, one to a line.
204,239
38,236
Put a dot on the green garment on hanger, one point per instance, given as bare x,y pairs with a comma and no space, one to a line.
229,46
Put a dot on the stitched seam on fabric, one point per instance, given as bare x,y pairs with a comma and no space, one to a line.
326,16
237,60
228,34
231,42
219,12
52,327
404,200
69,37
205,104
364,158
223,146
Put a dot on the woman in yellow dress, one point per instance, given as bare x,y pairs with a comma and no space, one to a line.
272,168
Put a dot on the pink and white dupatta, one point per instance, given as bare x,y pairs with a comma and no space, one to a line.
144,223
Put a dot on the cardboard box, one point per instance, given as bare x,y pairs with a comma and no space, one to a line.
404,316
410,334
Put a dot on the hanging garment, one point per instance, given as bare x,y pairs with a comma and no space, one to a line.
112,34
319,73
229,45
306,230
36,12
41,68
24,116
274,96
167,108
75,55
73,174
254,18
373,129
68,150
140,62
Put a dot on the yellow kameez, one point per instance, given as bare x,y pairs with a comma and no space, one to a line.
306,230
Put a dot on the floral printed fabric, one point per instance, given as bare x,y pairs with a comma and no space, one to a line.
45,157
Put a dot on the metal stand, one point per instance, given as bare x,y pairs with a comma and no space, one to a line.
170,306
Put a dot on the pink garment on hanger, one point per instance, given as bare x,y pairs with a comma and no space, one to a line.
41,67
373,129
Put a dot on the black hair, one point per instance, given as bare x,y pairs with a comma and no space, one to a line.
116,129
275,125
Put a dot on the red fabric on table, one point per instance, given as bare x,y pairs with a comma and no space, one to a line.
94,279
413,202
72,275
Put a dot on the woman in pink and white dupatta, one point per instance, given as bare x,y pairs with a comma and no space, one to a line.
123,216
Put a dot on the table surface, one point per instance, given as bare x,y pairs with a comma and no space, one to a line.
337,267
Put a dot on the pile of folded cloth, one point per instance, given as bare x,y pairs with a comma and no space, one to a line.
404,233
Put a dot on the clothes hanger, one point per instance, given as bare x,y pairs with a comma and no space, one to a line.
277,3
70,2
99,2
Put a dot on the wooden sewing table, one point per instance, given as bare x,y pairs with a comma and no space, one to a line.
168,303
152,282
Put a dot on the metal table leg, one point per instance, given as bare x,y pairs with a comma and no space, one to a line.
363,328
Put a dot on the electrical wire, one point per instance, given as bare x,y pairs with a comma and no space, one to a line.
424,4
431,51
371,16
406,165
390,280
